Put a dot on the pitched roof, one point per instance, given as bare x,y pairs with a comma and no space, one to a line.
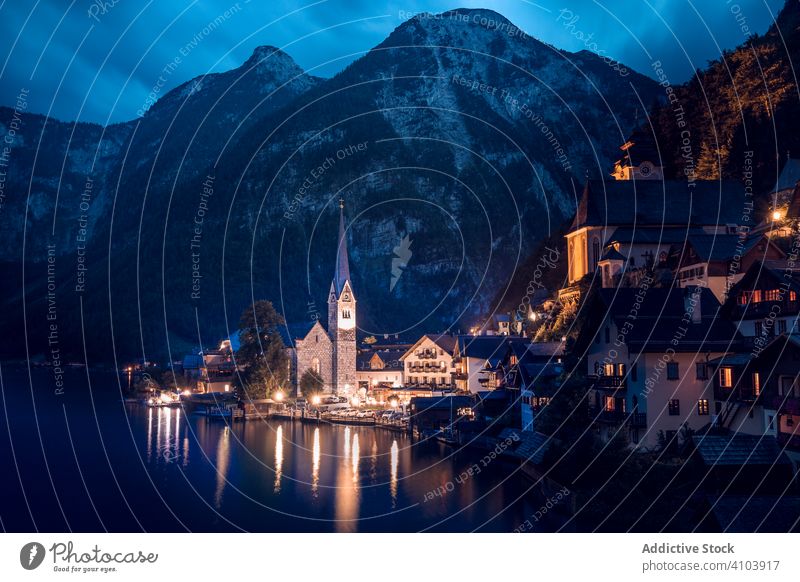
486,347
543,349
390,359
739,449
342,273
659,203
651,235
790,174
532,446
660,320
531,372
722,247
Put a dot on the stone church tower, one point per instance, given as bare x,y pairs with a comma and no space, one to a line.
342,319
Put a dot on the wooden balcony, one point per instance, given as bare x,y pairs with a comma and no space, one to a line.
602,382
634,419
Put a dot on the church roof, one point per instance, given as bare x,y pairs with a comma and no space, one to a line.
659,203
342,273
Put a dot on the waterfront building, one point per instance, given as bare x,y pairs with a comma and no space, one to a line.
381,368
429,362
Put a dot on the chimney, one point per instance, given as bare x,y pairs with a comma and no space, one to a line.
691,304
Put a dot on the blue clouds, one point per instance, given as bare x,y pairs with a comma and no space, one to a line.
97,60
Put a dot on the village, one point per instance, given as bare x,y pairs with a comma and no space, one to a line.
673,337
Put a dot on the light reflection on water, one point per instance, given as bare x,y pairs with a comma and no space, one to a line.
311,468
278,459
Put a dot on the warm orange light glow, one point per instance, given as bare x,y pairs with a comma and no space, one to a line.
777,215
316,400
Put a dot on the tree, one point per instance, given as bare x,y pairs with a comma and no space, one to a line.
311,383
261,352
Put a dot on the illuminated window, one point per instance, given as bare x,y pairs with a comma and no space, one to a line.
772,295
608,370
757,296
620,370
674,407
726,377
315,365
756,384
702,407
610,404
792,295
345,314
743,297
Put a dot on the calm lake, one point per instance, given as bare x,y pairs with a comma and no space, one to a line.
85,461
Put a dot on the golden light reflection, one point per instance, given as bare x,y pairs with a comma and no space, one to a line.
278,459
177,433
355,459
149,433
394,457
223,460
315,457
347,442
167,426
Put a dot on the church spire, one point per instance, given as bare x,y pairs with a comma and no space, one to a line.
342,273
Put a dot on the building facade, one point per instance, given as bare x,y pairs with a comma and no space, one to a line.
332,353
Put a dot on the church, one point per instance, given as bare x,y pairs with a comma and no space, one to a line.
331,353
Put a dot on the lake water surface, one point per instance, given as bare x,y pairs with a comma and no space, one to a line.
85,461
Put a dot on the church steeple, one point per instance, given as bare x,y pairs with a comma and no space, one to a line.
342,273
342,318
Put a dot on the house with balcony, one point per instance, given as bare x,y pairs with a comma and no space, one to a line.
429,362
529,373
476,361
647,354
764,303
718,261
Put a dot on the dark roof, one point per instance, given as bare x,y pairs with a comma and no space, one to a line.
612,254
739,449
542,349
444,341
756,514
659,203
790,174
640,147
661,319
487,347
342,273
530,373
721,247
741,359
532,446
651,235
423,403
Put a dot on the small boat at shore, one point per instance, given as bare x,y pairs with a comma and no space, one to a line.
447,436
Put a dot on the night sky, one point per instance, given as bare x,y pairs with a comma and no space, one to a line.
97,60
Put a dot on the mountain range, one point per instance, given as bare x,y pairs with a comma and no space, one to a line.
149,237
